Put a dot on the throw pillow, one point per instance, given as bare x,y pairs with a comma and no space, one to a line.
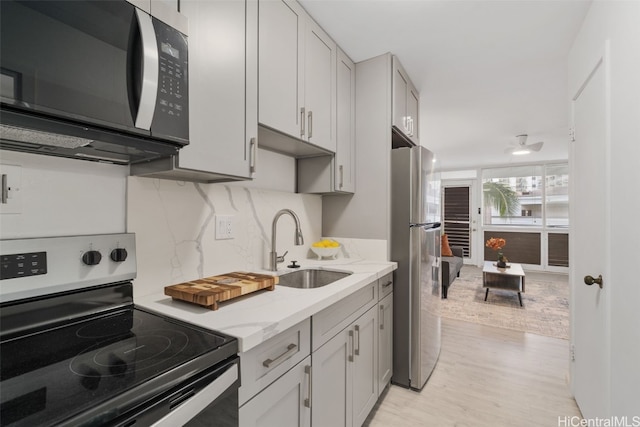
446,249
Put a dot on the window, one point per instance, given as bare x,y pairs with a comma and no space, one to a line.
533,195
557,195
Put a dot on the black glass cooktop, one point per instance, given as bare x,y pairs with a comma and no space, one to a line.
49,376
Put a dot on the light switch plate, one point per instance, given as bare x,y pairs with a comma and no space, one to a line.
224,227
11,202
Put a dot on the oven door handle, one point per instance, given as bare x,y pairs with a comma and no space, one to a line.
198,402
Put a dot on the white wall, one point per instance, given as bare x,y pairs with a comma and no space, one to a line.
617,21
63,197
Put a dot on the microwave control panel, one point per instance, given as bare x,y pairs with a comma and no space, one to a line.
171,115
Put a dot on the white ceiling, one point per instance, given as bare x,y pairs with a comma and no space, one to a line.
486,70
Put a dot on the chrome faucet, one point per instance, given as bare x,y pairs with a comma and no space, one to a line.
274,259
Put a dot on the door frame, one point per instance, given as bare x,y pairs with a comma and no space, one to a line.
476,226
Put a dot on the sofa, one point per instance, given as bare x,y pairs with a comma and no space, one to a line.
450,266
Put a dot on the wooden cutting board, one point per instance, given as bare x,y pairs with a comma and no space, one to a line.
208,291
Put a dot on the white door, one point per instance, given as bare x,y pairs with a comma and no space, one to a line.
589,243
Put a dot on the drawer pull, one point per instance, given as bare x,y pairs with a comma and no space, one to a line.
291,349
307,370
357,350
389,283
351,339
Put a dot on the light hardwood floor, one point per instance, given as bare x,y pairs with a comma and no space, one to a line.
486,376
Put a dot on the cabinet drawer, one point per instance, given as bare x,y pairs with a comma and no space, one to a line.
264,363
385,285
327,323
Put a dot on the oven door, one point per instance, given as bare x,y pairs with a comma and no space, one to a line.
210,399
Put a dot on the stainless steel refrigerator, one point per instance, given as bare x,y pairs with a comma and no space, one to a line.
415,246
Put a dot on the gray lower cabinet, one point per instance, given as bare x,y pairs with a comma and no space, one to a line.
385,342
328,370
345,383
285,403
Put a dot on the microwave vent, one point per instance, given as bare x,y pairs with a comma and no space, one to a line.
11,133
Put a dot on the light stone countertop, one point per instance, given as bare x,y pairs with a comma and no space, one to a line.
256,317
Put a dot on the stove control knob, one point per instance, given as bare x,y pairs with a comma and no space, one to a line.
92,257
119,255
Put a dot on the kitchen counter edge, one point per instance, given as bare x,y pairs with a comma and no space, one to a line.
257,317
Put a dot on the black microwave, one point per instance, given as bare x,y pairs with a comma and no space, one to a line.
92,80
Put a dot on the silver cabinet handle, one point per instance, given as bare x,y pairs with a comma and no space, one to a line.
310,131
291,349
308,370
357,349
341,169
253,143
381,316
149,92
351,340
302,119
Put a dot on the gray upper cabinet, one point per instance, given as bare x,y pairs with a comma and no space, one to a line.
326,175
319,87
297,75
345,125
406,103
279,65
223,93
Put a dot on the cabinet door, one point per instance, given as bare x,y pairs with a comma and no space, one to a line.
222,83
345,124
413,112
281,404
365,366
332,382
400,85
385,342
319,86
280,64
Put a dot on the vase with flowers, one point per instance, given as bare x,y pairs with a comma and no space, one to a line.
497,243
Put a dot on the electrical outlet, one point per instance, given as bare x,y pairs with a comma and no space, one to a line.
224,227
11,194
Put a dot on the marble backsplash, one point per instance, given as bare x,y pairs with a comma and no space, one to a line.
174,222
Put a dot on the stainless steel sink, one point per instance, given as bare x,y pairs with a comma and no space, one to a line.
311,278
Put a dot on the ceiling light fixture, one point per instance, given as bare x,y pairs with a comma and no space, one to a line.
521,152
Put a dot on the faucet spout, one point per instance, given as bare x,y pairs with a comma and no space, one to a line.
274,259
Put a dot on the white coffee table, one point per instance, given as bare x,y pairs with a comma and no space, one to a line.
511,278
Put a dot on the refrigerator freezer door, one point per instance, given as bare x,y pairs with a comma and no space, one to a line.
425,298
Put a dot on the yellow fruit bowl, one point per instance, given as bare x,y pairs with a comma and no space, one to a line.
326,252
